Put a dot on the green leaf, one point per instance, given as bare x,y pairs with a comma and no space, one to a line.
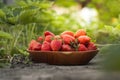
21,3
16,50
16,11
2,14
108,28
111,57
11,20
118,27
65,3
5,35
2,52
27,16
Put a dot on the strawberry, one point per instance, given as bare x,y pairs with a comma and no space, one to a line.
40,39
56,45
45,46
34,45
68,39
82,47
92,46
80,32
31,44
68,33
37,47
46,33
48,38
66,47
84,39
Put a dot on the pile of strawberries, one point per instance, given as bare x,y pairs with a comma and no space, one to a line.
66,41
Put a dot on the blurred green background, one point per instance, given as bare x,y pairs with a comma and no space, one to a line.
24,20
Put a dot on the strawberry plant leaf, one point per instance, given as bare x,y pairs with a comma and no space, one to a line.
5,35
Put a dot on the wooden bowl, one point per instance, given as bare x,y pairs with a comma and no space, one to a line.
63,57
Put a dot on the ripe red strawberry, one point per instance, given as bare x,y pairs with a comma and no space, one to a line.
48,38
56,45
82,47
45,46
31,44
40,39
84,39
80,32
34,45
66,47
92,46
68,39
37,47
46,33
68,33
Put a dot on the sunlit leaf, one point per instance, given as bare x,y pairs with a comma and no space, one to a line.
5,35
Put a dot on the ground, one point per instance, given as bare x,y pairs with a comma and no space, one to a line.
92,71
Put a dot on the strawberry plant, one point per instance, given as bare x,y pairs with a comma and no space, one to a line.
4,56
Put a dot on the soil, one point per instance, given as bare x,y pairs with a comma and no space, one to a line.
41,71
